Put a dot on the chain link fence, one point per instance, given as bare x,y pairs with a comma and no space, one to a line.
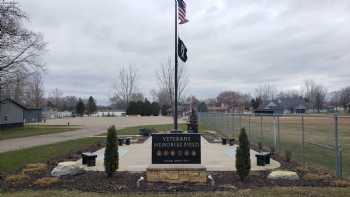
321,141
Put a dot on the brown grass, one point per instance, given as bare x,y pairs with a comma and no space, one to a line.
35,169
46,181
316,177
17,179
342,183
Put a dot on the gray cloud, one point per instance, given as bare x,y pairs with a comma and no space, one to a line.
233,45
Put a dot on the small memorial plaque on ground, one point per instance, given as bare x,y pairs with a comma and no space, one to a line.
176,149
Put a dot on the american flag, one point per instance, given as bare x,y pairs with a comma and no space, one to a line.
182,11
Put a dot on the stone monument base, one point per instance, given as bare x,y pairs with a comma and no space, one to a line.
177,173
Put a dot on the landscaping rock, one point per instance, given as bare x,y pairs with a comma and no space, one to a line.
67,168
284,175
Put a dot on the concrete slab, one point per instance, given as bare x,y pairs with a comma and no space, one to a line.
215,157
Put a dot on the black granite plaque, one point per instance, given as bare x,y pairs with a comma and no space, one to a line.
176,149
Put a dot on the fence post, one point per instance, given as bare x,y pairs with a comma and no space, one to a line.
227,119
261,129
274,132
249,132
224,123
278,133
302,138
337,148
216,122
240,122
233,124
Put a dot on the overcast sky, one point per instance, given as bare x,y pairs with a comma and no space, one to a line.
232,45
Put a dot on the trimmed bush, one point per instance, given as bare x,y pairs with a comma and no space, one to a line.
111,161
288,155
260,147
243,155
146,132
155,109
144,108
193,121
164,110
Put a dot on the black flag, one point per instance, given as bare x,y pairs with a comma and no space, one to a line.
182,50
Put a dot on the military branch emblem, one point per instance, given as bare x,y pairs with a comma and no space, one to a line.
182,50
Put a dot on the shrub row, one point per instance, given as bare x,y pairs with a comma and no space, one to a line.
143,108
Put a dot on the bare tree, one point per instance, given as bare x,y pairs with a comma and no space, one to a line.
345,98
55,99
320,97
36,90
335,99
20,48
315,95
266,92
137,96
70,103
162,97
125,86
14,88
233,101
19,87
309,93
166,82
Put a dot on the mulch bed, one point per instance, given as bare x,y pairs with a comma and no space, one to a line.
211,138
126,181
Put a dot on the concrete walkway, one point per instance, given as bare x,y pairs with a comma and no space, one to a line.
216,157
91,126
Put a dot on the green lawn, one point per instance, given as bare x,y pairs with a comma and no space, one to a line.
33,130
15,160
261,192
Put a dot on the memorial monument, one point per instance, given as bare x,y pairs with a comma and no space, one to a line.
176,157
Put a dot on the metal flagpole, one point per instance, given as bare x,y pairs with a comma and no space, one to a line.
176,62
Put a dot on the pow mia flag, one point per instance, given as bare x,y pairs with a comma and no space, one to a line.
182,50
